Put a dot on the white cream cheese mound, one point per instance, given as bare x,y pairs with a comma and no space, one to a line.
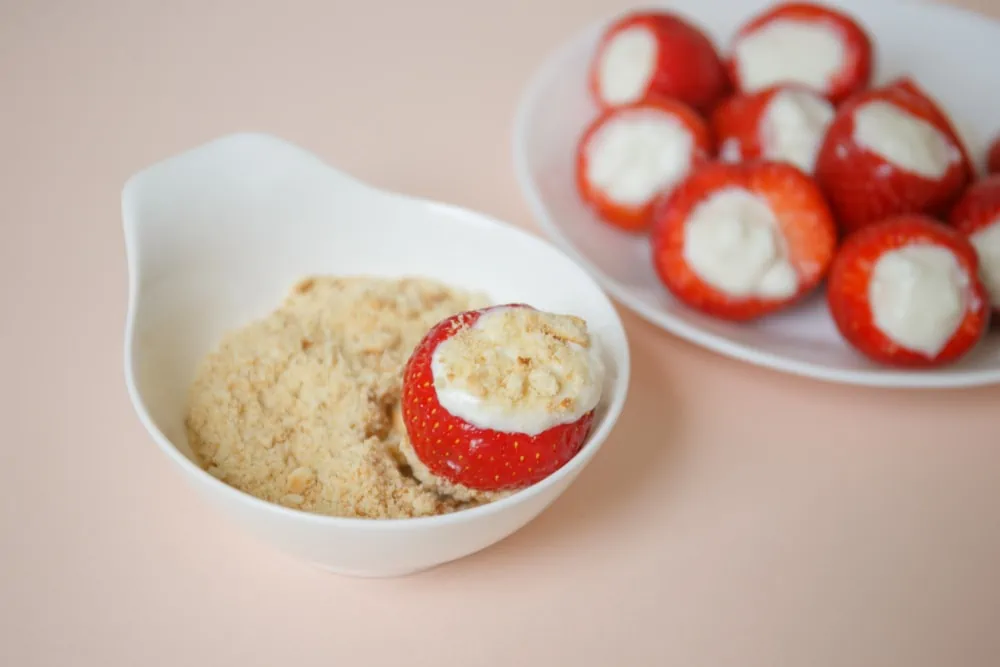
987,244
637,154
627,64
789,51
733,242
918,296
904,140
519,370
793,127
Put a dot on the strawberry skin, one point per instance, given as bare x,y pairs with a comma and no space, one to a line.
687,66
993,157
863,188
851,275
978,207
636,218
856,70
480,459
804,220
735,125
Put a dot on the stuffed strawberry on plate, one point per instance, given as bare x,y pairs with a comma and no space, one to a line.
804,44
656,54
906,292
888,152
632,155
782,123
500,398
740,241
977,216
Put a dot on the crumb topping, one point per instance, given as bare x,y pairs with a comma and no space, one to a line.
517,359
297,407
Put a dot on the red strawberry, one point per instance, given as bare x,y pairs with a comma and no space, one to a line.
891,151
740,241
977,216
802,43
783,123
480,458
993,157
632,154
660,54
906,292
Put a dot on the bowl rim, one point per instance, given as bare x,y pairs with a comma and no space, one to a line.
595,440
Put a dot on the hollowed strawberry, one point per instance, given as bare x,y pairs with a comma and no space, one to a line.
888,152
906,292
805,44
656,54
741,241
501,398
783,124
632,155
977,216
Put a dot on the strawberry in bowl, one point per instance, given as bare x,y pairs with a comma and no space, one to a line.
656,54
740,241
782,123
631,155
803,44
906,292
500,398
977,216
891,151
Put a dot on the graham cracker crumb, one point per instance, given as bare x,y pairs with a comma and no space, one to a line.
518,358
297,408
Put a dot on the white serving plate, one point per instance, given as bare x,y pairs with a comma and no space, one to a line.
216,236
950,52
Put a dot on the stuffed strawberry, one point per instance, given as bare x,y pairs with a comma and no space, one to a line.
906,292
500,398
740,241
656,54
977,216
783,124
632,155
803,44
891,151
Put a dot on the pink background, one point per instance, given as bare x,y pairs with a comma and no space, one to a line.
737,517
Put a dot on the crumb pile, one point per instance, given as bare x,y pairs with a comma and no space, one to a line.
298,408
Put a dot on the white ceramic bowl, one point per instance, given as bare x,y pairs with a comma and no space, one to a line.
218,235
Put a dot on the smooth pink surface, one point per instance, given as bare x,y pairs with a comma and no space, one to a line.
737,517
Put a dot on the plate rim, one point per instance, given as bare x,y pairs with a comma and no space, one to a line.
885,378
